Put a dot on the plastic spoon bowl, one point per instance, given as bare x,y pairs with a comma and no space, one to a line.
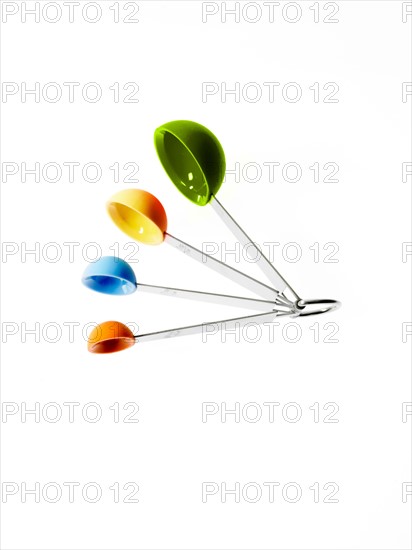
193,158
110,337
110,275
139,214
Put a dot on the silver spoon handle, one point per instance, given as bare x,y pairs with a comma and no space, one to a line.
226,270
209,328
211,297
264,264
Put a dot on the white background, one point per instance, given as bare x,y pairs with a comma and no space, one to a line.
170,452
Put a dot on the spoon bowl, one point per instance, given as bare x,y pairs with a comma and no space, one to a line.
110,275
192,157
109,337
139,214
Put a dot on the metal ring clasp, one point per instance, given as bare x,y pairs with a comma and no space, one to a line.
304,308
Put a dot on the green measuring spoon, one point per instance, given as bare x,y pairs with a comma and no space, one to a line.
195,162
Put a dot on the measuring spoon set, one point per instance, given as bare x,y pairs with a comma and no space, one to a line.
195,162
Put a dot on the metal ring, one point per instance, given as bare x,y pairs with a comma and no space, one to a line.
318,306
